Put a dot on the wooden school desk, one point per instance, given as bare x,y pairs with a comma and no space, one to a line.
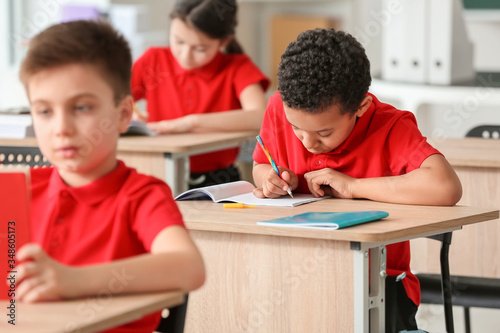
87,315
272,279
477,163
163,156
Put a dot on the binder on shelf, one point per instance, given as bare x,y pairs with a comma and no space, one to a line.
404,44
451,53
416,46
426,41
393,36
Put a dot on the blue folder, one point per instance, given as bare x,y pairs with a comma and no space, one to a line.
326,220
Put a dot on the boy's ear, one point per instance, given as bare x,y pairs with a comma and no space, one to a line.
364,105
125,109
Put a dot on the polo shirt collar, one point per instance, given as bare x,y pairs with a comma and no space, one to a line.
92,193
359,131
206,72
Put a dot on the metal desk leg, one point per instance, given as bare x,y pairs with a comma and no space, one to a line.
177,172
369,288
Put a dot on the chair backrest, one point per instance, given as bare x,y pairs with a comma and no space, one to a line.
485,132
174,323
31,156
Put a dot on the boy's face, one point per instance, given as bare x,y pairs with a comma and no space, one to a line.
321,132
76,120
190,47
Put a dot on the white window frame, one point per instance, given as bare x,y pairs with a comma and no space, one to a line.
6,51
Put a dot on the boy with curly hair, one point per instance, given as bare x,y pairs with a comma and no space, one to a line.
329,136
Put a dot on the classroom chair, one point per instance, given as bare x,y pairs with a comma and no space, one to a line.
465,291
440,290
30,156
174,322
485,132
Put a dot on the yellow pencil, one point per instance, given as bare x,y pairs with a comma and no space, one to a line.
237,205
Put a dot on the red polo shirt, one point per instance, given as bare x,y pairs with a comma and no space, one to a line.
172,92
114,217
384,142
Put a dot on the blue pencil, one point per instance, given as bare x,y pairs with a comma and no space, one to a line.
273,164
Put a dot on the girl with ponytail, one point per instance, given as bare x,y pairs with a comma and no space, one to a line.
202,82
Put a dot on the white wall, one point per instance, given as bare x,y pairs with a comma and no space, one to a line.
484,31
36,15
39,14
362,18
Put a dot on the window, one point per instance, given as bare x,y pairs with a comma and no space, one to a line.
6,50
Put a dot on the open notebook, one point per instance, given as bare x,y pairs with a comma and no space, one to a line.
14,223
137,127
241,191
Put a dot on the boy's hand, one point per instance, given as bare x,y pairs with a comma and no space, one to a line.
41,278
330,182
274,187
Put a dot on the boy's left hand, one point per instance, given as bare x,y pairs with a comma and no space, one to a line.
41,278
330,182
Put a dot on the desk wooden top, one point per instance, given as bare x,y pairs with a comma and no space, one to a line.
26,142
169,143
88,315
404,221
472,152
174,143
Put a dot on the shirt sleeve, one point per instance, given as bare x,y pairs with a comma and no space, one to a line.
268,130
246,74
155,210
139,73
406,147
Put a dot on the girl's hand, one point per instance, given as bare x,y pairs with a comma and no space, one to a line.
141,116
179,125
274,187
41,278
330,182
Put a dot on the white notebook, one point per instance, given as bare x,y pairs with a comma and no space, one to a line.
16,125
241,191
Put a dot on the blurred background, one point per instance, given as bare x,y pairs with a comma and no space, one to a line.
266,27
449,96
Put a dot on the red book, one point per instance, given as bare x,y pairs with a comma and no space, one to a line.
14,225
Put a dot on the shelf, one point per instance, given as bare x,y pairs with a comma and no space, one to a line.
482,15
485,91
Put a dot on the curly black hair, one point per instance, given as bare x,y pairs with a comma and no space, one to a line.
321,68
